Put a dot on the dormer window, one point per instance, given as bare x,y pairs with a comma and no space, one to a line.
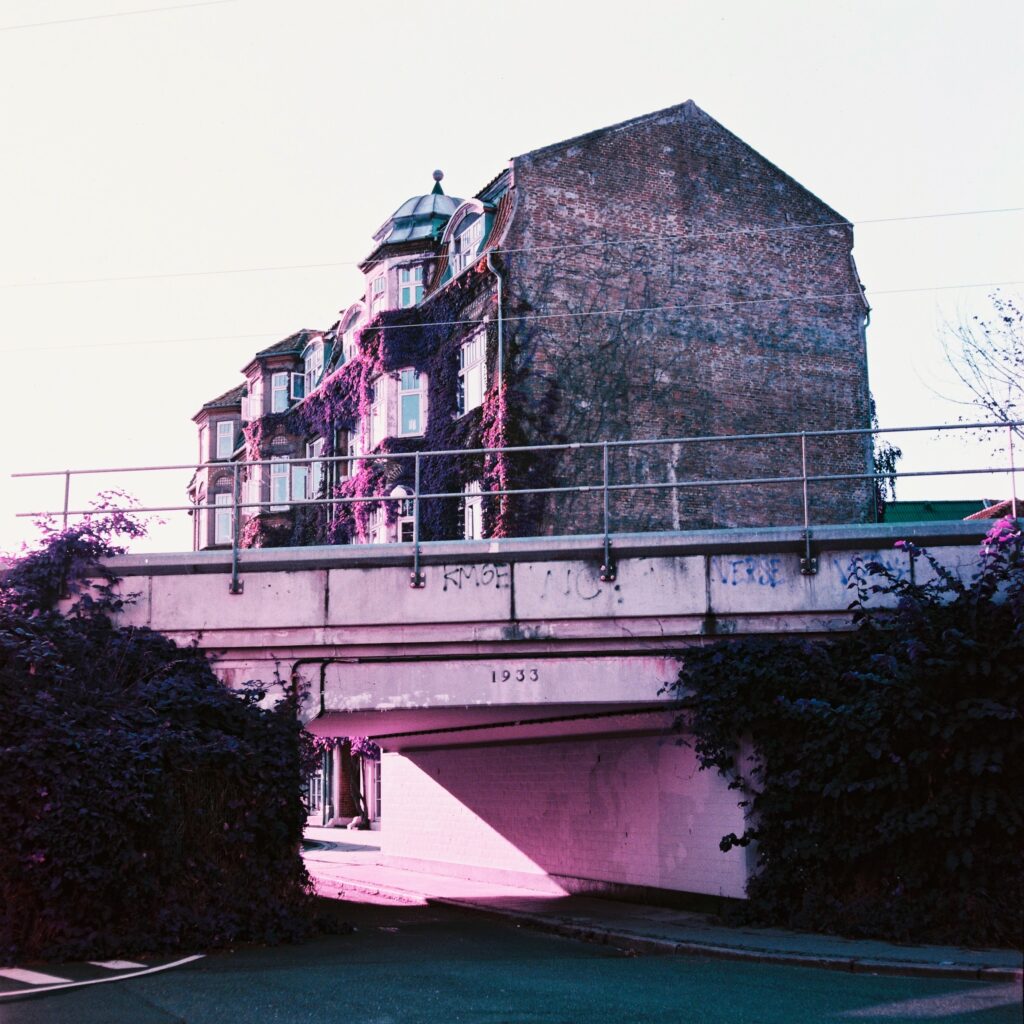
410,280
313,365
378,294
466,243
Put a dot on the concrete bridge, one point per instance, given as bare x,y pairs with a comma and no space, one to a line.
519,697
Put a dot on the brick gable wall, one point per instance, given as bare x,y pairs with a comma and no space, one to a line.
745,367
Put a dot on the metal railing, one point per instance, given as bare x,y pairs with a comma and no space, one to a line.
606,487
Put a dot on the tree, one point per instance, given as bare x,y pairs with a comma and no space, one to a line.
986,351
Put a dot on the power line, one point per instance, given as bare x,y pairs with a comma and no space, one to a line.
622,311
625,240
115,14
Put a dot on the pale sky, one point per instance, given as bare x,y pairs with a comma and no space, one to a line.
188,143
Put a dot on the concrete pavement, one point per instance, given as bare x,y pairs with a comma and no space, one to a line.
349,865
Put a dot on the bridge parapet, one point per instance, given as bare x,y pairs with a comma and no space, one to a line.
509,624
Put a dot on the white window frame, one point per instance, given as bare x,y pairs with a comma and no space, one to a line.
225,438
253,491
466,244
472,512
279,471
349,343
255,404
223,519
314,452
299,482
378,293
404,514
376,526
313,366
378,410
279,387
410,286
297,392
472,383
204,444
419,392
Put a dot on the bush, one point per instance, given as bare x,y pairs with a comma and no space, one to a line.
885,772
144,806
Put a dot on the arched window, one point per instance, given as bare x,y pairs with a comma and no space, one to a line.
465,235
313,364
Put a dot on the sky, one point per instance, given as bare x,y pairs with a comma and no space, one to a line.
182,183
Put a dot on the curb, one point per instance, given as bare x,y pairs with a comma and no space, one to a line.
648,944
664,947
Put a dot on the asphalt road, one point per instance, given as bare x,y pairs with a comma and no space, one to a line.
429,965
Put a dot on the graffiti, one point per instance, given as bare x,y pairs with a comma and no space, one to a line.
577,583
462,577
762,571
897,571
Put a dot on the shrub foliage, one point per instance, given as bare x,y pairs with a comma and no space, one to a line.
883,769
144,806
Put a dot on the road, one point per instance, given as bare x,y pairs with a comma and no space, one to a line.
436,965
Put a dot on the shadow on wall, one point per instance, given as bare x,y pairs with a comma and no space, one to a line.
565,815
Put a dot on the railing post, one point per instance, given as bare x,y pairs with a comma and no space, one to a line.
608,568
235,586
67,493
1013,474
416,580
808,564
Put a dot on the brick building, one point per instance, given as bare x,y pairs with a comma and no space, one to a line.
654,279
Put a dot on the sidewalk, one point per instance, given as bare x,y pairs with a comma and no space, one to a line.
348,864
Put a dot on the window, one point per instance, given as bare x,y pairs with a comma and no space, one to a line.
405,515
472,512
253,489
378,411
225,439
298,391
411,386
410,280
300,481
375,526
279,392
472,373
255,403
223,519
314,450
378,294
204,451
466,243
349,346
313,365
279,484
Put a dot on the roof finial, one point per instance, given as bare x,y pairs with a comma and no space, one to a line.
437,190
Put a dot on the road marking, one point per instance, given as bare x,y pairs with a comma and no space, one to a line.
95,981
32,977
116,965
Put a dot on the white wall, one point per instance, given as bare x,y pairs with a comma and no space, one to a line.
567,814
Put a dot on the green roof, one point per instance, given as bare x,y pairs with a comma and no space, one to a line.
932,511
